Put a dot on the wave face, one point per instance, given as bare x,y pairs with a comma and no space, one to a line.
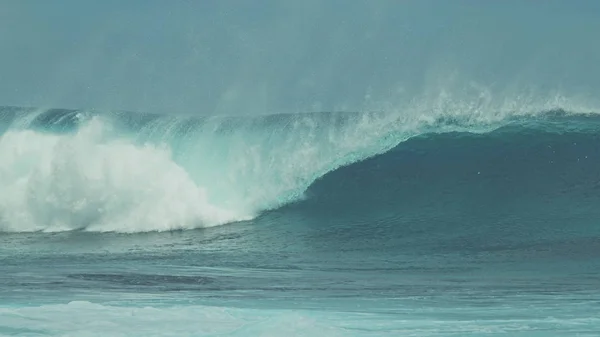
534,182
129,172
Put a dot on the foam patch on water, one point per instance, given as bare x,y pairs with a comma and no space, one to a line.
88,319
85,319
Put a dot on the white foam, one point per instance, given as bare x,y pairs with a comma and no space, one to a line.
83,181
84,319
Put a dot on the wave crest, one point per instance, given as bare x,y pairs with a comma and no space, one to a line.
125,172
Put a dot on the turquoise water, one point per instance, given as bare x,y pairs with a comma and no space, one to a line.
332,224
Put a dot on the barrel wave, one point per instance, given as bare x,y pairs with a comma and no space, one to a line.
63,170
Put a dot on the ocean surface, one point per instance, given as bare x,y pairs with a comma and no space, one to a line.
462,222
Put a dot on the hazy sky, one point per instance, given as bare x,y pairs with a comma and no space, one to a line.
226,56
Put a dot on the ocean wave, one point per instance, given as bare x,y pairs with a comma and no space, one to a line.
126,172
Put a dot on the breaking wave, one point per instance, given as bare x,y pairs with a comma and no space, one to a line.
127,172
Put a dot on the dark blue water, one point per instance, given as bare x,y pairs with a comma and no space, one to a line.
306,225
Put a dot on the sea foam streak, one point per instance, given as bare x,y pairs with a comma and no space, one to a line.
136,173
89,319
